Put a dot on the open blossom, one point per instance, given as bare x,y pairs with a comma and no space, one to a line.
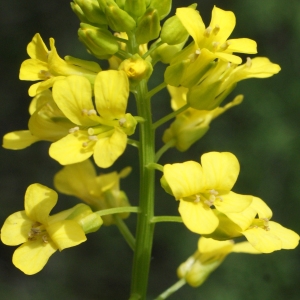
101,132
214,37
100,192
47,66
40,234
255,224
202,187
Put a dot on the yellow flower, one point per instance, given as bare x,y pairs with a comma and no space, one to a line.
202,187
214,37
221,79
40,234
191,125
208,257
103,135
100,192
46,123
254,223
47,66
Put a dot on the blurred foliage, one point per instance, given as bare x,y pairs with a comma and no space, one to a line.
262,133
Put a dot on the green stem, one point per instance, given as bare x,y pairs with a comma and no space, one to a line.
164,148
170,116
156,89
172,289
129,238
166,219
145,229
133,143
155,166
152,49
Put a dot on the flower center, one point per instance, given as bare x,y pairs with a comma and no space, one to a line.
261,223
208,198
38,231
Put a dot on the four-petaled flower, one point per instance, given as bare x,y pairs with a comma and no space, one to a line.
47,66
202,187
40,234
102,132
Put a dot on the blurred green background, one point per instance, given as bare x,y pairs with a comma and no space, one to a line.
263,133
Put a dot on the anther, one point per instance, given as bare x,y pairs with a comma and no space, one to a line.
249,62
84,112
198,52
208,202
91,112
74,129
93,138
122,121
207,31
216,30
45,239
197,200
215,45
224,46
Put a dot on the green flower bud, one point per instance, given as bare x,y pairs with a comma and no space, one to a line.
92,11
174,73
136,68
165,52
148,26
173,32
135,8
165,185
78,12
118,19
99,41
163,7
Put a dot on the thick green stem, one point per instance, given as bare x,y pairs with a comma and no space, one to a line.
145,228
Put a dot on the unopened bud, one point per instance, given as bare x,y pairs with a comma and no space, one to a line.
135,8
175,72
163,7
92,11
99,41
148,27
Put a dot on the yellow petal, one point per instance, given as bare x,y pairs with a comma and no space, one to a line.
32,256
39,201
192,21
15,229
77,179
19,140
198,217
220,170
107,150
73,96
37,49
262,209
289,238
111,93
66,234
185,179
70,150
263,240
244,247
31,68
223,19
242,45
233,203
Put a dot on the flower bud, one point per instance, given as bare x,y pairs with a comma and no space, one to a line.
148,26
78,12
118,19
92,11
99,41
136,68
135,8
128,124
173,32
163,7
165,52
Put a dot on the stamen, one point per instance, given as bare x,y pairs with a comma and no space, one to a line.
93,138
208,202
224,46
215,45
84,112
122,121
198,52
43,74
213,192
197,200
74,129
45,239
207,31
91,112
216,29
249,62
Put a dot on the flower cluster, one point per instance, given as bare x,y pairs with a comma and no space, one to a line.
81,109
